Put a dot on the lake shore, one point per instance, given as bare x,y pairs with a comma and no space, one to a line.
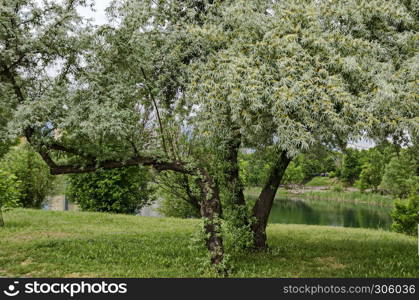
351,195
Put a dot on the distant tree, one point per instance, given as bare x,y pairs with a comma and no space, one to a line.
32,172
372,170
124,190
9,193
254,167
400,174
294,174
351,167
180,195
313,163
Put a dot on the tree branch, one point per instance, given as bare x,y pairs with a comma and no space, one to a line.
157,163
150,92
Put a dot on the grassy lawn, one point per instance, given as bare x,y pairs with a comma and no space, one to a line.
75,244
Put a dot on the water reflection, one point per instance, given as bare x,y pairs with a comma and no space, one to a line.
321,212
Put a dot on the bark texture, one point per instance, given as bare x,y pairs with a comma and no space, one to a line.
211,211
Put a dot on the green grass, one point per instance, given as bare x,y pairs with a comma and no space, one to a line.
75,244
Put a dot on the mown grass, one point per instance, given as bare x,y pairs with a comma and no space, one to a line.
76,244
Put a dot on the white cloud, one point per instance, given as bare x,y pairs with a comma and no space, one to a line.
98,16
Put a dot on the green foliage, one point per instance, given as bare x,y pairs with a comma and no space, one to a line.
180,196
351,167
294,174
31,171
338,188
406,215
6,145
254,167
124,190
312,164
177,208
400,175
9,193
372,170
238,236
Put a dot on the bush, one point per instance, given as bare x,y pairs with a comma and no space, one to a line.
178,208
9,193
124,190
32,172
372,170
406,215
180,195
338,188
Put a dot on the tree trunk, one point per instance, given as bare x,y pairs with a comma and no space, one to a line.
1,219
211,211
263,205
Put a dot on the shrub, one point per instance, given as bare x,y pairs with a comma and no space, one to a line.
406,215
32,172
180,196
9,193
178,208
124,190
338,188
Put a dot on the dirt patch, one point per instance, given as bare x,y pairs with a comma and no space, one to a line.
329,262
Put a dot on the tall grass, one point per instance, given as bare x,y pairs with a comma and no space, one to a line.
349,196
330,195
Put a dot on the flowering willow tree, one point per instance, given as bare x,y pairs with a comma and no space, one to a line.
100,98
298,73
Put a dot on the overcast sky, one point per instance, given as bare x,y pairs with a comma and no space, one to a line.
98,16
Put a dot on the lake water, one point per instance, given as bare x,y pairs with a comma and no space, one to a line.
332,213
